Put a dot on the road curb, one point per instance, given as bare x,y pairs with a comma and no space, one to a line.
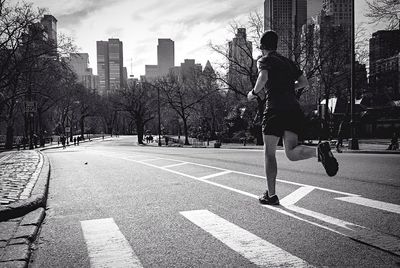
37,199
18,250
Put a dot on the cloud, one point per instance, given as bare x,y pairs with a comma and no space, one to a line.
81,10
114,31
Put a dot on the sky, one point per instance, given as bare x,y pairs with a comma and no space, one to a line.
192,24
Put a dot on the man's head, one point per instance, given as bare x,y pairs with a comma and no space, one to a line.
269,40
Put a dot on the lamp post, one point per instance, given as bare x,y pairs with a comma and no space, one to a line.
159,116
353,141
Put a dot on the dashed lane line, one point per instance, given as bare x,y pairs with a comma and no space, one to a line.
215,175
176,165
250,246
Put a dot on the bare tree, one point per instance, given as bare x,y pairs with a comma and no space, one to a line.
182,94
138,100
385,10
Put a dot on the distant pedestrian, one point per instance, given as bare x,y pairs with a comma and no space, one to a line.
63,140
394,142
342,133
18,143
74,141
77,140
166,140
278,79
35,140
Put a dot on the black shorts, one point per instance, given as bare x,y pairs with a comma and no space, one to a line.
275,122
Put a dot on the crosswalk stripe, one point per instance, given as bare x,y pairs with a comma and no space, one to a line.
295,196
107,246
255,249
371,203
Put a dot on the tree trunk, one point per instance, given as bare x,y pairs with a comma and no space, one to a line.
10,127
140,129
186,132
9,137
40,130
82,126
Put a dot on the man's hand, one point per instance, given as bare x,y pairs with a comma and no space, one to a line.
251,96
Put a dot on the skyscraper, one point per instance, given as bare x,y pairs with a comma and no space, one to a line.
286,17
50,26
240,61
49,23
339,10
110,65
165,56
79,63
384,63
103,66
115,56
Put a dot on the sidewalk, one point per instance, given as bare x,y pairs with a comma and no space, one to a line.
24,181
367,146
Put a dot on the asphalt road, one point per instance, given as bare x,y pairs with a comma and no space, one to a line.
115,203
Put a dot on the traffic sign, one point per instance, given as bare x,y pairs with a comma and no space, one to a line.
30,106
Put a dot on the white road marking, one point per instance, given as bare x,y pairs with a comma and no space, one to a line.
357,232
250,246
380,240
150,159
107,246
215,175
175,165
263,177
295,196
371,203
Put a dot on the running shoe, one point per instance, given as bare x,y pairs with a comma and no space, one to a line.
265,199
325,156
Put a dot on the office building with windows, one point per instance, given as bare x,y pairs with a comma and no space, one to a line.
165,56
110,65
286,18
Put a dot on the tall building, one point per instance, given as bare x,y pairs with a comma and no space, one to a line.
115,56
50,26
339,10
286,17
165,55
384,63
384,44
110,65
151,72
103,67
190,69
79,63
240,61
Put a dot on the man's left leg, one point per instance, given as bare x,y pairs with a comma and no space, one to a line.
293,150
296,152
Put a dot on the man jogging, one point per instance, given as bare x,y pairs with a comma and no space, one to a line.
279,77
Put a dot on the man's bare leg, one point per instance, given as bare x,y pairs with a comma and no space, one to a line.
294,151
271,168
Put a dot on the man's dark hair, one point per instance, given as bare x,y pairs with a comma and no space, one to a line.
269,40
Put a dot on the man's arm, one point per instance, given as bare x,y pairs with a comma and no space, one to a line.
261,80
301,82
